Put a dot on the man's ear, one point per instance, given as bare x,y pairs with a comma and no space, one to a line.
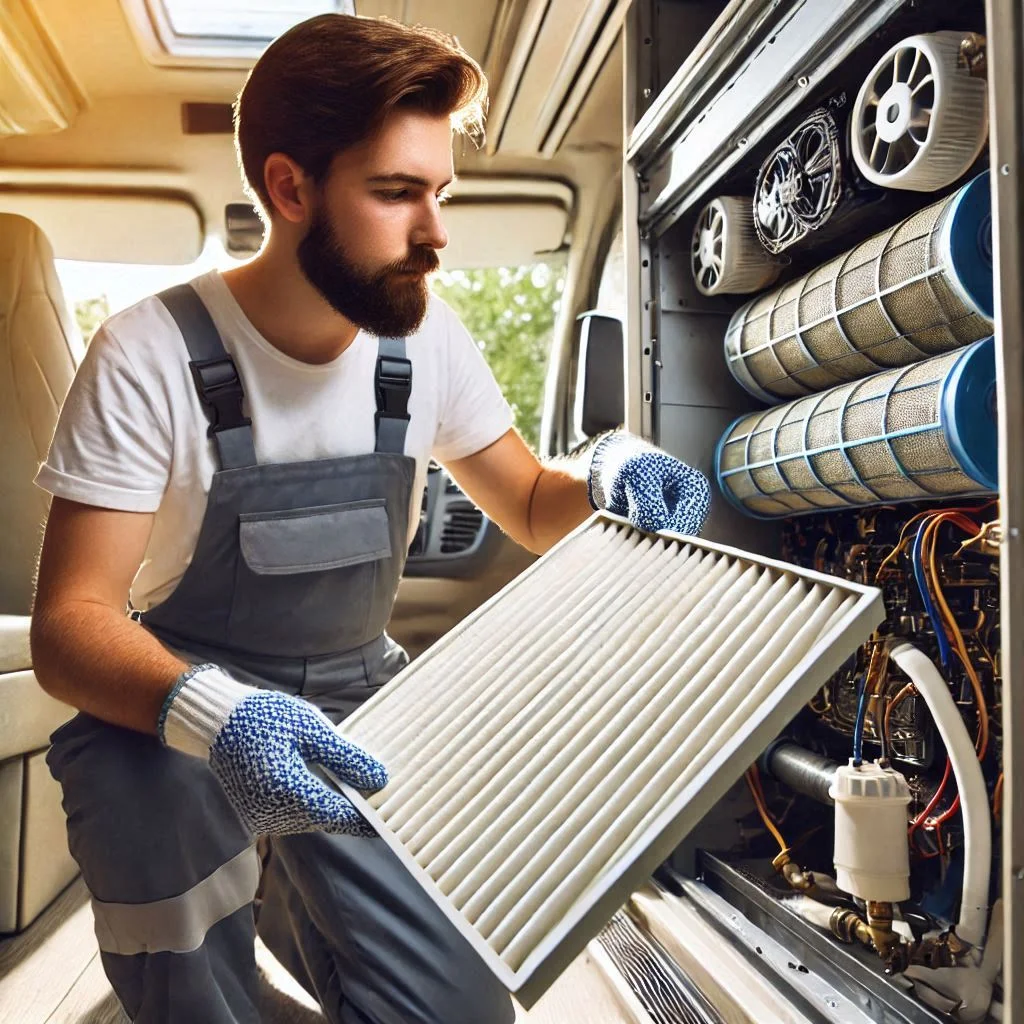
289,187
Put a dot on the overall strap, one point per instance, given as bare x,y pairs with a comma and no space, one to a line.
215,376
392,385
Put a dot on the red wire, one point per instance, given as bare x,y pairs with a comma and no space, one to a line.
946,815
920,819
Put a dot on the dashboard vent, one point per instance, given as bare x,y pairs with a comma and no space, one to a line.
462,524
556,746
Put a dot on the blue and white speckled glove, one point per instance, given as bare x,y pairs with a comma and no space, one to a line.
259,744
647,486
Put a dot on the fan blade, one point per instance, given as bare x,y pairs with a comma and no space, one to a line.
914,67
920,85
874,151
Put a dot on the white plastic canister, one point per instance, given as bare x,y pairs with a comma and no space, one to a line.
872,855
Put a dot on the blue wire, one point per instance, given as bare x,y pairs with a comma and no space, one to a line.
926,597
858,725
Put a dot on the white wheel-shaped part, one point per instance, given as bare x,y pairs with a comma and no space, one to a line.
920,118
726,256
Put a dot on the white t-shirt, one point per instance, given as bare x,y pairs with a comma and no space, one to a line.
132,433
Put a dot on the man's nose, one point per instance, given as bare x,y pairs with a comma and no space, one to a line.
430,229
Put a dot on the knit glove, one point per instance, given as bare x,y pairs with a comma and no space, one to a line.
647,486
259,744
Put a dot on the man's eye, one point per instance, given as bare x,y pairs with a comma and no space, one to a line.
393,195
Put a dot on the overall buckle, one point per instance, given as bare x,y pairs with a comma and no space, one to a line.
394,385
220,391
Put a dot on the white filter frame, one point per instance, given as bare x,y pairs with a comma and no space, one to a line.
845,629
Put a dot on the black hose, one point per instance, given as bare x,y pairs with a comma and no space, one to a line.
803,771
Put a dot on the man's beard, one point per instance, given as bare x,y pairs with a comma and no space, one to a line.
384,302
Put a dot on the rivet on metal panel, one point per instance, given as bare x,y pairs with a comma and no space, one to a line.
647,94
1004,170
659,364
803,81
741,142
1014,531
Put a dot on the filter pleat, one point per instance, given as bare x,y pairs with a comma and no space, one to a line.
583,685
596,829
475,727
550,780
614,770
545,595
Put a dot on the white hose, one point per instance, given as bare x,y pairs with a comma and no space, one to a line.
969,781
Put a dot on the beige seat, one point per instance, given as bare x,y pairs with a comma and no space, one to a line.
40,347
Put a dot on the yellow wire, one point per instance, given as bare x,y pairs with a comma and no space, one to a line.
891,706
762,809
902,543
930,542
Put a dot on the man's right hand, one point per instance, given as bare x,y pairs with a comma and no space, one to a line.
259,744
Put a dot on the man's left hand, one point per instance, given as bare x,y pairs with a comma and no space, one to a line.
647,486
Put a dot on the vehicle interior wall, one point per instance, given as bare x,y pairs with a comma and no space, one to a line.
685,398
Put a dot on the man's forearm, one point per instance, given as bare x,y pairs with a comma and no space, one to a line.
92,657
559,502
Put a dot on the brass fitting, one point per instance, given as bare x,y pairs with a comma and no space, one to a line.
973,54
847,927
883,938
794,875
876,933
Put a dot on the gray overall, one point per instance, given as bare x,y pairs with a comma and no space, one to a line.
290,587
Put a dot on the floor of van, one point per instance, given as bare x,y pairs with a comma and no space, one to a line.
51,974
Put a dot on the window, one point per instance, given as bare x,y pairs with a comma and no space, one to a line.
98,290
207,29
510,312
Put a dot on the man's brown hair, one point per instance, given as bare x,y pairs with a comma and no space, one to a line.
328,84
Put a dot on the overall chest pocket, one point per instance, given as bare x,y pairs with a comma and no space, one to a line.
307,578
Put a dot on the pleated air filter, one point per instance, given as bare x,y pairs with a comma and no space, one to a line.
921,117
921,432
548,753
917,290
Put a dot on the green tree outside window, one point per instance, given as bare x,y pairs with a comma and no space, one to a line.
510,312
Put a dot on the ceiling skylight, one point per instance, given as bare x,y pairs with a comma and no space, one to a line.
233,29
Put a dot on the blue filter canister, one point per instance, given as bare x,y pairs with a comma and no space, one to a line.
969,421
966,242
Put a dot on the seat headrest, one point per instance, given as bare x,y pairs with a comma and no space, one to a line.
40,347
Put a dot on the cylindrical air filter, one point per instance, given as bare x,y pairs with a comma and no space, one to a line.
921,116
918,432
726,256
919,289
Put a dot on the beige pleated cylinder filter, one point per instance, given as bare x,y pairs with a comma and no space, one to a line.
919,289
726,255
920,432
547,754
921,117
